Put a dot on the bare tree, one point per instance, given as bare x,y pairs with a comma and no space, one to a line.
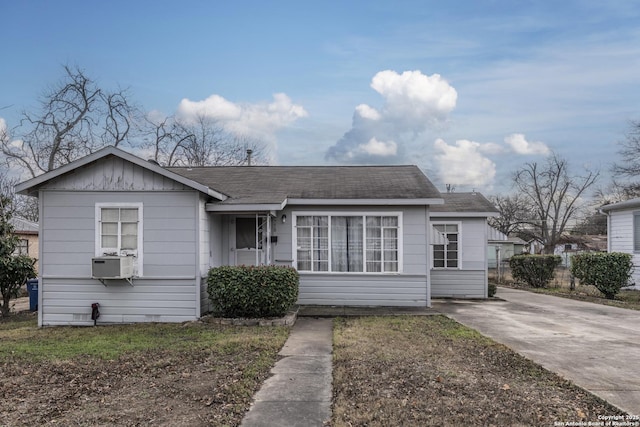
18,205
200,142
514,212
629,165
75,118
554,196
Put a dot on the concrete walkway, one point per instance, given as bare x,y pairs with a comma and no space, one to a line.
299,392
595,346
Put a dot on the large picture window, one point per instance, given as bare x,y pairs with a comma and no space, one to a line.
446,253
348,243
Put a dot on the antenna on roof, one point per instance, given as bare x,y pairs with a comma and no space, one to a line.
450,188
249,152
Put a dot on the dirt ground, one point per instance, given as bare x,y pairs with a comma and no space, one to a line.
433,371
162,387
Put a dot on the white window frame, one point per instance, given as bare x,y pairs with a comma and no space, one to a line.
364,214
433,230
138,261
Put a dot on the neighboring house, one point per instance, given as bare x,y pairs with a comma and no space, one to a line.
357,235
27,231
502,247
623,231
459,264
573,244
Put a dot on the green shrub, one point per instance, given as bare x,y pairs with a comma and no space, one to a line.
492,289
534,270
608,272
246,291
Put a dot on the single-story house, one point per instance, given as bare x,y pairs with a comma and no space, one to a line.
623,231
139,239
27,232
502,247
573,244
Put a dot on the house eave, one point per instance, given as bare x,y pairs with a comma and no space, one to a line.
244,207
464,214
367,202
627,204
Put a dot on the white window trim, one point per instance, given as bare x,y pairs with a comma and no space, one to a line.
459,224
294,240
98,217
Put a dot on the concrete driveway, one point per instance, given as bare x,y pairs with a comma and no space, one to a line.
594,346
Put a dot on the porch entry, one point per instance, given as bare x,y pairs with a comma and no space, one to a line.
253,240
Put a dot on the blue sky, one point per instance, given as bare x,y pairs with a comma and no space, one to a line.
467,90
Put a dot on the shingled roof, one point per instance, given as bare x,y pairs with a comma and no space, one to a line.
470,203
275,184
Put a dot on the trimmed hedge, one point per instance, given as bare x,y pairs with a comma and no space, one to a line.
534,270
608,272
248,291
492,289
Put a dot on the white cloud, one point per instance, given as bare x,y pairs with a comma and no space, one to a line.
379,148
415,96
520,145
4,136
413,103
262,120
491,148
464,164
4,132
367,112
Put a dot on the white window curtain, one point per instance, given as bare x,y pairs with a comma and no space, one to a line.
346,243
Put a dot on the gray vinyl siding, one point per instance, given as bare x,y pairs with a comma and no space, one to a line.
363,290
458,283
409,288
621,237
474,244
113,174
67,301
216,240
167,289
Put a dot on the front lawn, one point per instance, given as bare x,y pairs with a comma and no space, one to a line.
193,374
431,370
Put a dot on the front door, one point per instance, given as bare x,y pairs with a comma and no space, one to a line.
249,241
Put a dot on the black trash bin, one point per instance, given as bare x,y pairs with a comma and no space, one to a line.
32,288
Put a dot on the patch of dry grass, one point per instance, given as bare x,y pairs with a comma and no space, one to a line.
433,371
193,374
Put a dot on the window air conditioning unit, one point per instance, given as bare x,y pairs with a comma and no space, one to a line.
112,267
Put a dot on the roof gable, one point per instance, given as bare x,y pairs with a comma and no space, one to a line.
106,154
